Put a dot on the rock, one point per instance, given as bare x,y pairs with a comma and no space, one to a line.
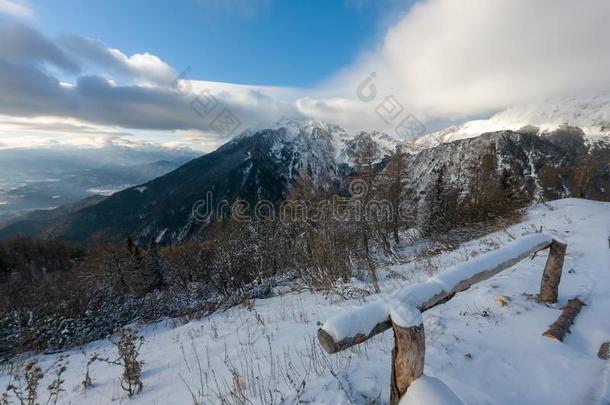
604,351
502,300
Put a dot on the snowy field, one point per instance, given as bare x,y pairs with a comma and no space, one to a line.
267,352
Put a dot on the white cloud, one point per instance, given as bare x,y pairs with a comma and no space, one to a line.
117,90
443,60
144,68
16,8
49,130
459,58
148,66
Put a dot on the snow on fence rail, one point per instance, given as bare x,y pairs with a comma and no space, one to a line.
402,309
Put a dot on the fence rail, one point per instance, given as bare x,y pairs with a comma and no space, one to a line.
401,310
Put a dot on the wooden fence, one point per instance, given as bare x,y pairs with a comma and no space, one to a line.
401,310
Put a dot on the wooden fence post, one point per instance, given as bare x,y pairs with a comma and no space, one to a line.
403,313
407,359
561,327
551,277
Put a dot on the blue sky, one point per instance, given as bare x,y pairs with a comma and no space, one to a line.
92,72
293,43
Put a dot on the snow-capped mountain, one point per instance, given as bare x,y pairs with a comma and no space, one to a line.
337,143
259,164
265,163
591,114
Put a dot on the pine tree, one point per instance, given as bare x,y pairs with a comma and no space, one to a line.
396,191
154,267
514,194
365,162
435,202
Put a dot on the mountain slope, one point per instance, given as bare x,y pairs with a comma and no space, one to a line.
254,166
265,164
530,155
484,353
70,187
591,114
43,223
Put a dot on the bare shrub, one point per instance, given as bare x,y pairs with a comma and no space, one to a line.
56,386
26,389
87,380
128,351
128,348
24,384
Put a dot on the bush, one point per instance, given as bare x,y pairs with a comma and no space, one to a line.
128,348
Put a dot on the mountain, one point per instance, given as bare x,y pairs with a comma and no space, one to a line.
265,163
26,165
53,175
552,166
70,187
42,223
261,164
590,114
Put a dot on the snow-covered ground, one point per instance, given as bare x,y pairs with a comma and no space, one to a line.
267,352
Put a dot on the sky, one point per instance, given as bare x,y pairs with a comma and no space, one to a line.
195,73
293,43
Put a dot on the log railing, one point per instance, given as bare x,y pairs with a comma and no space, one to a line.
397,310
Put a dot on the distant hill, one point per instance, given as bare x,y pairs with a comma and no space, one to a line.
46,178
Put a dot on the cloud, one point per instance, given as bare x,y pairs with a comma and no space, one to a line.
15,8
443,60
144,93
146,100
142,67
455,58
47,131
29,91
25,46
106,88
61,132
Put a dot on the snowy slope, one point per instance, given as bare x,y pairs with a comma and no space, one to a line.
591,114
341,145
482,353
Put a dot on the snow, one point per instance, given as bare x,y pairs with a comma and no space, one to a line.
604,391
513,251
161,235
429,391
362,320
318,143
358,322
591,114
405,316
482,353
108,191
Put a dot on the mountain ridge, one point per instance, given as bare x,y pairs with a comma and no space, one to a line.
266,163
590,114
